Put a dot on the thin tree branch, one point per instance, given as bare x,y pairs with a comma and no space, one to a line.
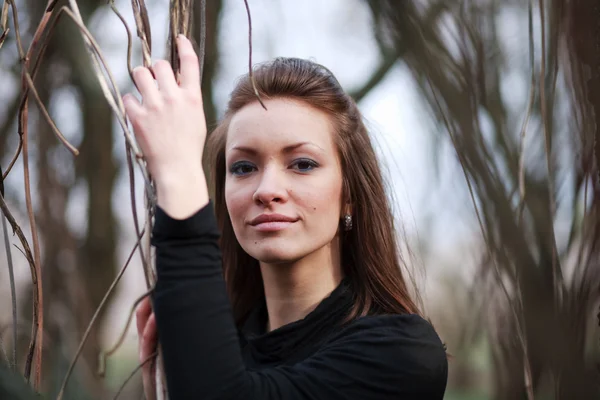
132,374
36,344
13,292
4,23
7,123
388,61
46,115
520,329
115,347
142,24
250,70
556,268
113,285
522,189
129,40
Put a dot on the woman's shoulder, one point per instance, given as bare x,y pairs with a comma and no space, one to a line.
402,328
403,351
406,337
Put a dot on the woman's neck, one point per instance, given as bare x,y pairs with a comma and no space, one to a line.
293,290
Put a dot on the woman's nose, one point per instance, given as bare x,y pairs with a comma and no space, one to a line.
271,187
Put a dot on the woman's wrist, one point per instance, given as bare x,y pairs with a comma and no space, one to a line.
182,195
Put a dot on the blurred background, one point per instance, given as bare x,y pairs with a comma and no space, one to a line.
483,119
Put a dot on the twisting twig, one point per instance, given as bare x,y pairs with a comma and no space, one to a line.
115,347
520,330
94,318
180,22
12,110
145,263
114,98
19,232
250,71
11,276
37,334
522,187
44,112
556,269
129,40
140,366
143,29
4,23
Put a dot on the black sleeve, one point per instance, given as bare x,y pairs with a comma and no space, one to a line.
377,358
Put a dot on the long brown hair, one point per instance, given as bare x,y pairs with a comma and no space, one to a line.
369,253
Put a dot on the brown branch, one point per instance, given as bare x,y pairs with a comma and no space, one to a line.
558,282
6,125
132,374
36,344
139,233
522,188
113,285
129,40
388,61
46,115
518,322
143,29
11,277
115,347
250,70
4,22
114,98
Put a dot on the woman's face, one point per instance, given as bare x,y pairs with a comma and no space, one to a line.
283,183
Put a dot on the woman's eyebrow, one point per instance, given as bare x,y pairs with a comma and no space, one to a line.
286,149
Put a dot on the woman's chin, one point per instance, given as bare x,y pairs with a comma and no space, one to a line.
275,258
273,255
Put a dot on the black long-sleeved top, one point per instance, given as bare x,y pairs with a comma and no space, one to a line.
318,357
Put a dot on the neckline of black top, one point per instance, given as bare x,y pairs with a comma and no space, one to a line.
298,337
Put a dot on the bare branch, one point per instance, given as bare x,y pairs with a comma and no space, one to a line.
558,281
143,29
46,115
36,344
250,70
132,374
94,318
388,61
13,292
115,347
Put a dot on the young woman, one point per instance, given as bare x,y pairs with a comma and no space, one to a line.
290,287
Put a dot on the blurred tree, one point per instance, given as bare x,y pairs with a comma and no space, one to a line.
541,316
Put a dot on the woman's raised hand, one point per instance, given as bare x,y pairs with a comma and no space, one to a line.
170,127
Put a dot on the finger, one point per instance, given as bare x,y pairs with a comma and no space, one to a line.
149,340
164,76
146,85
133,107
188,64
142,315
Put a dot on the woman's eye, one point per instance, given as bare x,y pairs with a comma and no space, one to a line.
304,165
242,168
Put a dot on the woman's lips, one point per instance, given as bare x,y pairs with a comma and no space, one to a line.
272,226
272,222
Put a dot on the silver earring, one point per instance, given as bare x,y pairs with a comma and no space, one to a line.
347,222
